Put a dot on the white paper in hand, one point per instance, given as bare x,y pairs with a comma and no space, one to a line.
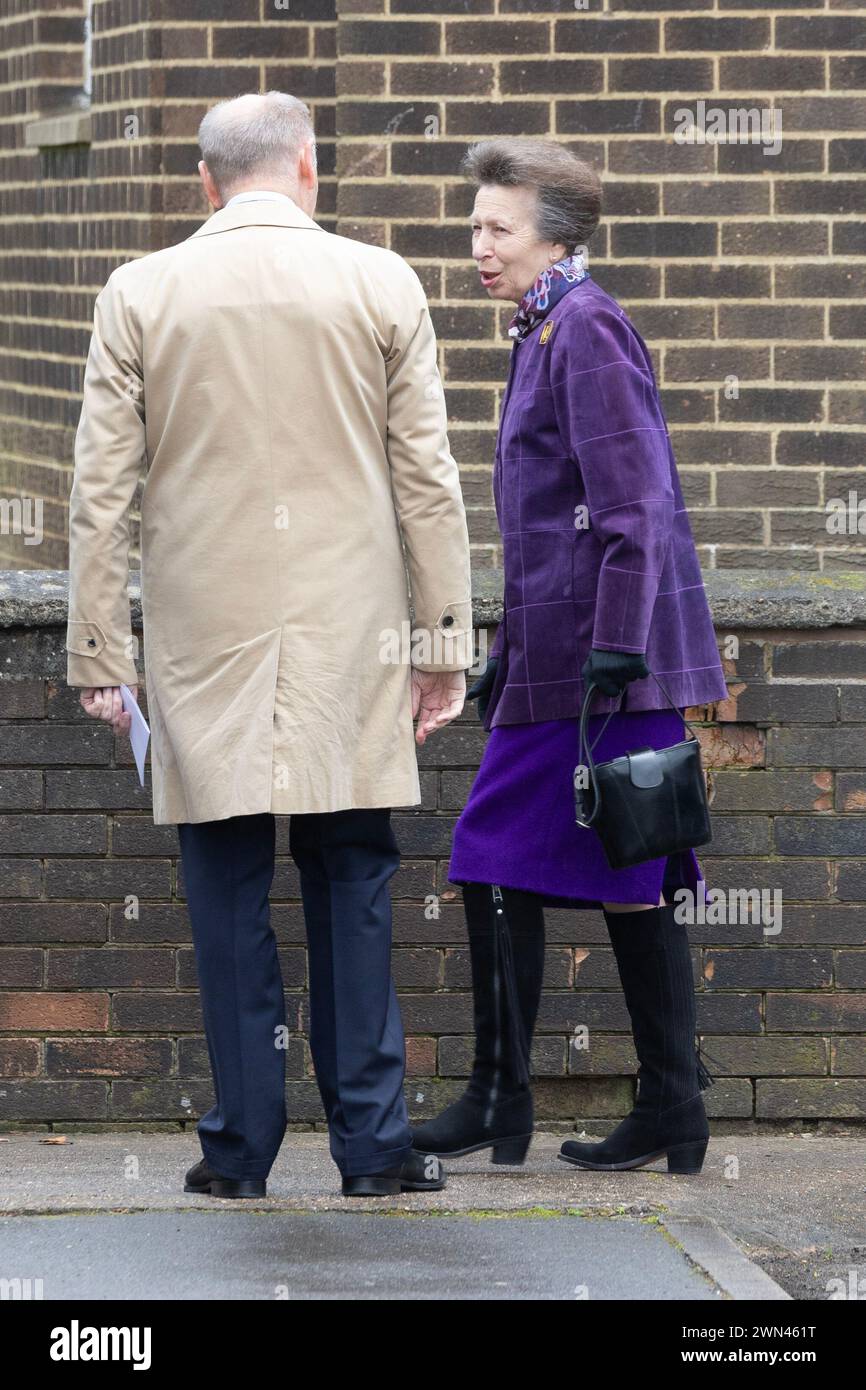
139,732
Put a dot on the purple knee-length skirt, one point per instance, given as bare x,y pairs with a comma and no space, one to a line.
518,828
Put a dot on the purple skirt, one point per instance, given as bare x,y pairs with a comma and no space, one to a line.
518,828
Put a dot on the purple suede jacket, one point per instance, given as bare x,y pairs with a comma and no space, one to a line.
597,546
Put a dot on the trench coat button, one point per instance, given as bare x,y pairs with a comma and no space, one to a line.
91,641
448,620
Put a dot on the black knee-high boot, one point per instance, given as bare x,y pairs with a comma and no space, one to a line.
506,945
652,955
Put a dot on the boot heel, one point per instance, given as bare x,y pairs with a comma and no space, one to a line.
371,1186
511,1150
238,1187
687,1158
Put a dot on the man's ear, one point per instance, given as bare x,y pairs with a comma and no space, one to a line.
307,167
210,188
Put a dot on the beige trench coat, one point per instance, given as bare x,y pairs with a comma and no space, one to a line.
280,386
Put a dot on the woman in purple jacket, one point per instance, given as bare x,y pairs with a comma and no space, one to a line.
602,584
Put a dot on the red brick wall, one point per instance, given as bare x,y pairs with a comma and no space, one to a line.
99,1011
71,215
732,263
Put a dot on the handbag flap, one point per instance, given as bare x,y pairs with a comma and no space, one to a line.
645,768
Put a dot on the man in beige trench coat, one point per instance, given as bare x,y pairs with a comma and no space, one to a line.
280,387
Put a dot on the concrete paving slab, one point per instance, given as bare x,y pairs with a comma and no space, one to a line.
347,1255
793,1205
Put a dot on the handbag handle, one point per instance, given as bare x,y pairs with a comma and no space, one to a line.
582,741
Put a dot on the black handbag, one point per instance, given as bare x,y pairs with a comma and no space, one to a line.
646,804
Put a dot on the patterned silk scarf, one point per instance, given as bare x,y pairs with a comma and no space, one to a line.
547,290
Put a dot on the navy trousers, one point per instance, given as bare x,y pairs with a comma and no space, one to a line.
346,860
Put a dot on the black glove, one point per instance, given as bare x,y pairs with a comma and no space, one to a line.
613,671
482,688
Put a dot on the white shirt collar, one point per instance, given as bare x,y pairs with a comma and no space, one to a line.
256,195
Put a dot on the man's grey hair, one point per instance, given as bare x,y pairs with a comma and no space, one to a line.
569,190
254,134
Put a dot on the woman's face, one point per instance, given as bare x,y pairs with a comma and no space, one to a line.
505,244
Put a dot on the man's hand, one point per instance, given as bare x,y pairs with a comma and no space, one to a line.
105,703
437,698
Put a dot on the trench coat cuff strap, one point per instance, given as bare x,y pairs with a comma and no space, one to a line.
446,644
94,659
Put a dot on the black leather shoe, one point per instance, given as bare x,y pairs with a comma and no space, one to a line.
204,1180
419,1173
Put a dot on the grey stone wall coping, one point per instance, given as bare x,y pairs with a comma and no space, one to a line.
738,599
68,127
